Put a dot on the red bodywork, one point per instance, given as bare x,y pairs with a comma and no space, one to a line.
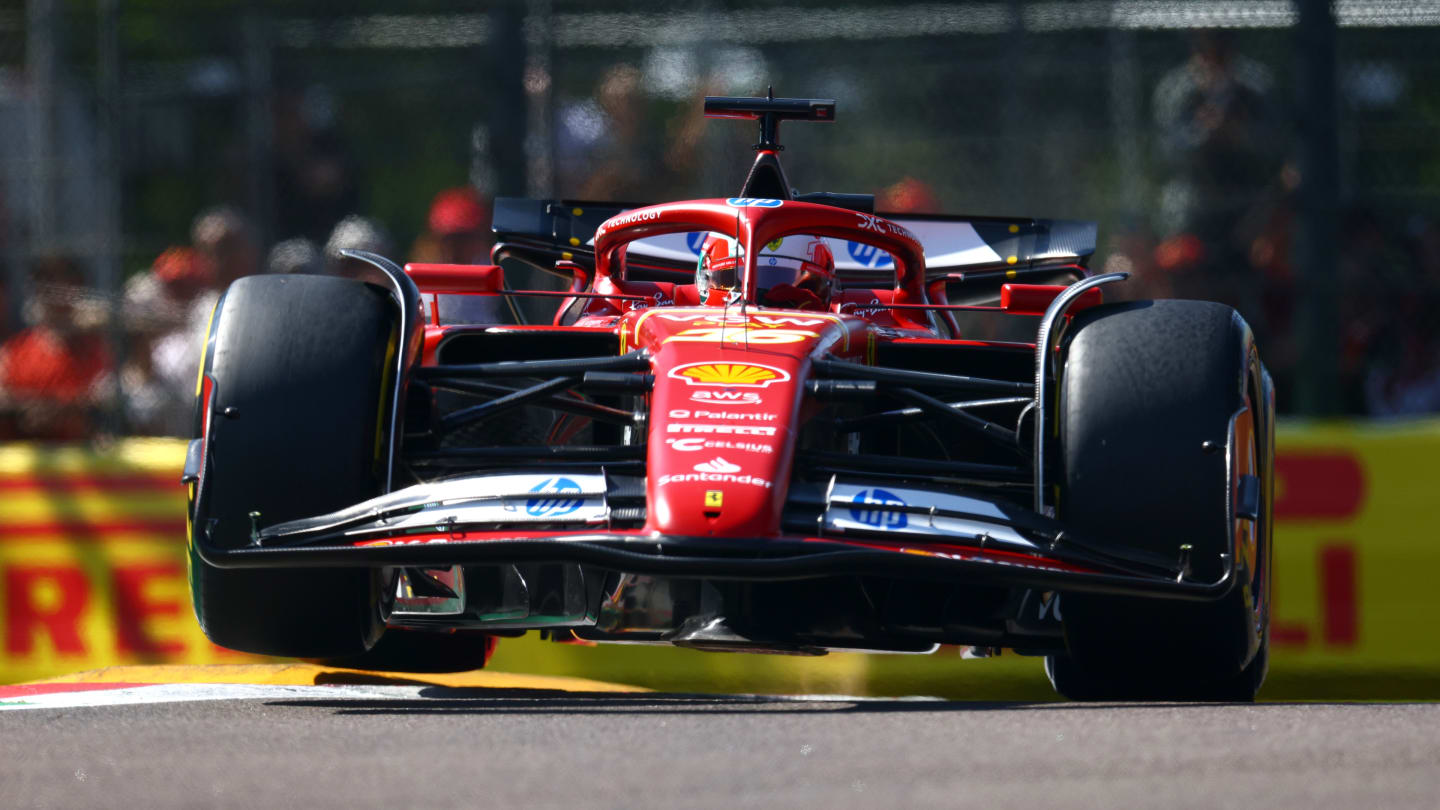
729,397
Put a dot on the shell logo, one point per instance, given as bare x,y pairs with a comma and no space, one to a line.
741,375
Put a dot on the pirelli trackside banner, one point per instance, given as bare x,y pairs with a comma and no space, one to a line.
92,563
92,574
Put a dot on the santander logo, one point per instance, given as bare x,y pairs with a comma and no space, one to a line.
717,465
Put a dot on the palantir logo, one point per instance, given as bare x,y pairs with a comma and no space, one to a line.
868,507
868,255
554,506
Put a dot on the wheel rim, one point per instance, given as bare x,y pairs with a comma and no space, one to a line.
1250,534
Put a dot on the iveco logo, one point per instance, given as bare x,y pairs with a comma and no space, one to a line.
556,504
868,507
868,255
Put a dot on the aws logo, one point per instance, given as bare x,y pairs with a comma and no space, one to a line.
707,397
729,375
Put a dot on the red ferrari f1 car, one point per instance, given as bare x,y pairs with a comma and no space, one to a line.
761,423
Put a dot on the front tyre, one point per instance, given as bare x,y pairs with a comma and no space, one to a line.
292,411
1166,440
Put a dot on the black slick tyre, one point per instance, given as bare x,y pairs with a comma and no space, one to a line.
1163,409
296,373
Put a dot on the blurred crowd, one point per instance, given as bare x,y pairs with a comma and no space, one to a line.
82,364
1223,229
76,363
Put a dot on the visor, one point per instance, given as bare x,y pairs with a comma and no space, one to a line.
723,273
772,271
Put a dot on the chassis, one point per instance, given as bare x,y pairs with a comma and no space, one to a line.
366,481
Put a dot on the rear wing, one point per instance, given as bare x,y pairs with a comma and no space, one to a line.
542,231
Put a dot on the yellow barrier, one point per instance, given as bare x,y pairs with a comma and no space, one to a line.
92,568
92,575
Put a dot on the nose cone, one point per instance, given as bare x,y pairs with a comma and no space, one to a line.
720,441
727,393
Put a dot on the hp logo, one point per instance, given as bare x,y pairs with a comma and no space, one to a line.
554,504
868,255
868,507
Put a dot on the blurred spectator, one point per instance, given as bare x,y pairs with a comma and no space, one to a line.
167,311
315,176
1133,250
1389,364
357,233
460,221
181,290
148,314
4,303
459,233
297,255
1401,368
600,139
1425,237
176,278
226,241
908,196
1220,131
49,371
1406,380
607,145
1222,139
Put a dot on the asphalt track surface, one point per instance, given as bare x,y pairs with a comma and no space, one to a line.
445,746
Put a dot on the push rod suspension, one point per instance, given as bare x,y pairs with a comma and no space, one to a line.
996,434
573,367
858,423
921,379
579,407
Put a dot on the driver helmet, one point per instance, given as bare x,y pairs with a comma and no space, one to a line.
796,271
717,273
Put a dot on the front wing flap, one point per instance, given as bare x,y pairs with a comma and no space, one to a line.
837,530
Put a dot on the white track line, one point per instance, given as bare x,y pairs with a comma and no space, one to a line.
186,692
182,692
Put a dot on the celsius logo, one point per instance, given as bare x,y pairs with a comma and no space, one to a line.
868,255
717,465
554,506
752,202
690,445
868,507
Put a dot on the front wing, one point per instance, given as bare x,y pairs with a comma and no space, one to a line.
498,519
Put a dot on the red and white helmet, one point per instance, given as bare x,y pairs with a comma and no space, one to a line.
717,273
796,271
